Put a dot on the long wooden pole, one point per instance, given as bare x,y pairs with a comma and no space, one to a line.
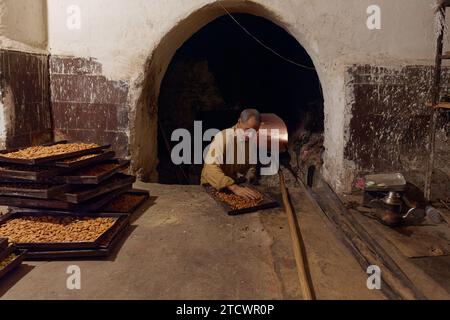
434,102
298,247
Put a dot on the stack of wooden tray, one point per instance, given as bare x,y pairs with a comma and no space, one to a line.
10,257
79,183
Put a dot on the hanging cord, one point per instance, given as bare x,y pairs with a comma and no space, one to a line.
264,45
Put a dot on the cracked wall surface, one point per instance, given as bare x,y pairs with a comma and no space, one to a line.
86,106
389,128
24,87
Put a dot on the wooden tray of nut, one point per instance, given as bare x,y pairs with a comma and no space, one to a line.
32,190
96,173
51,231
86,192
236,205
48,153
106,245
12,261
84,160
128,202
20,204
29,173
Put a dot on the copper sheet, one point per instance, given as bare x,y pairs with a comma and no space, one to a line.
272,121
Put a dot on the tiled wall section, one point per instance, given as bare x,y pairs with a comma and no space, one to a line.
389,128
86,105
24,83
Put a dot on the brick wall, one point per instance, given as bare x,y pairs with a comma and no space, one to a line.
86,105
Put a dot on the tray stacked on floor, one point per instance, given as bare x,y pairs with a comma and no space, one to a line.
61,194
10,257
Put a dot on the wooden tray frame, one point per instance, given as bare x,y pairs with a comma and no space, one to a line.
267,203
77,179
21,254
7,251
49,158
144,193
4,242
97,190
100,252
55,245
43,175
21,204
49,193
106,155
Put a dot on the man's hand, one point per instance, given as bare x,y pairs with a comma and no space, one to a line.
244,192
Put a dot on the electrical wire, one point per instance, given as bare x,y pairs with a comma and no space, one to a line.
263,44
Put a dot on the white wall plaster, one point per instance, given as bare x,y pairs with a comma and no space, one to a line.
23,25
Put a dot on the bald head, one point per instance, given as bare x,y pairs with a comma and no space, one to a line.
249,115
249,119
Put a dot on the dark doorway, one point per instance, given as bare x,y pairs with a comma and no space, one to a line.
221,70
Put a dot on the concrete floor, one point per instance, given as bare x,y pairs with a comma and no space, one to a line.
185,247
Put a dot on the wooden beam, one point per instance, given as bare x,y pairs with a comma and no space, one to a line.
395,285
298,246
435,97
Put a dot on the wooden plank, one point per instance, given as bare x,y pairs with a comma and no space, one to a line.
413,241
435,96
367,251
298,245
440,105
443,105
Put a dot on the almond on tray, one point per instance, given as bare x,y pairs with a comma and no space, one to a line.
124,203
53,229
237,202
47,151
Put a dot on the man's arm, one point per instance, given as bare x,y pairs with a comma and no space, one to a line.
213,173
244,192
